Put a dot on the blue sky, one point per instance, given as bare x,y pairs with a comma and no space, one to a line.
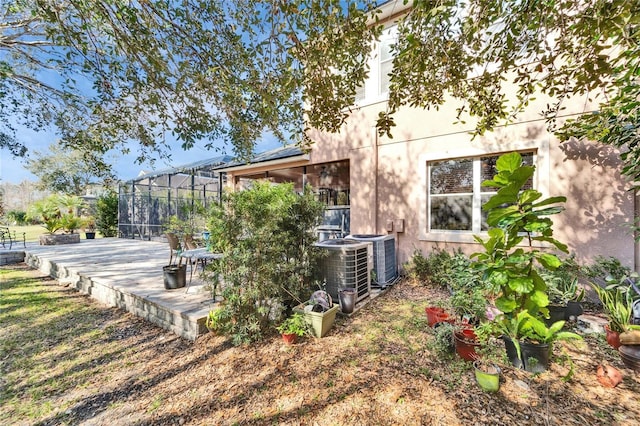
12,169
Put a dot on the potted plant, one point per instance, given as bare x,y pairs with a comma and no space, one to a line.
617,306
293,327
437,314
89,226
442,343
58,212
466,343
319,312
488,358
565,294
518,217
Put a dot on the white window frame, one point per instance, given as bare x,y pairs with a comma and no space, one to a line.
389,34
371,85
540,182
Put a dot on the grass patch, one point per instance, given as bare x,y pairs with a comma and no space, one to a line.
49,343
33,232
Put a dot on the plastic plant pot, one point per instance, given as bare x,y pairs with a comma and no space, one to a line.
432,314
487,376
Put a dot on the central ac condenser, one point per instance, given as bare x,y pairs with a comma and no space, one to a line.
347,264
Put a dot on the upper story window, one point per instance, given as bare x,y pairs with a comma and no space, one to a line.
455,195
376,86
386,60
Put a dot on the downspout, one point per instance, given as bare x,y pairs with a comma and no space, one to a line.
304,178
375,179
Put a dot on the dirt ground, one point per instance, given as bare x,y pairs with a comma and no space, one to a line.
373,368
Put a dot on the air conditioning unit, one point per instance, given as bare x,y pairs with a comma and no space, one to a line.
346,265
384,257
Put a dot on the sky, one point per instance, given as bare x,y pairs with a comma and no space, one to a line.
12,168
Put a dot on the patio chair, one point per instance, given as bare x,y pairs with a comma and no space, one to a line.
174,246
189,242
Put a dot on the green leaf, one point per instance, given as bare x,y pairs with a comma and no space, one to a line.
540,298
549,261
521,284
539,329
496,215
551,200
560,246
538,225
499,277
548,211
509,162
505,304
499,199
556,327
529,196
567,335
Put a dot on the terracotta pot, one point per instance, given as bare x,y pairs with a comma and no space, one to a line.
613,337
289,338
608,376
432,314
466,343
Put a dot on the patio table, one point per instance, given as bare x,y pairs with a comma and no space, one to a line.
199,255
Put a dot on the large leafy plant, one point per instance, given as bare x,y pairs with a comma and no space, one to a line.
57,212
519,226
267,239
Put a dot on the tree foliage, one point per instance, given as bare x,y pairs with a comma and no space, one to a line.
234,69
197,69
68,171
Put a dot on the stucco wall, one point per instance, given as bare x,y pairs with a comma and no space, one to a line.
598,203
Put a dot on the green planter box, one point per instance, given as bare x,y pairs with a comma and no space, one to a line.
320,322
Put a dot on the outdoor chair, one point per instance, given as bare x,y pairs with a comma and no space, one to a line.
174,246
189,242
8,236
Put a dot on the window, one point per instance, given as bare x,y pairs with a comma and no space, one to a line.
360,94
386,60
455,194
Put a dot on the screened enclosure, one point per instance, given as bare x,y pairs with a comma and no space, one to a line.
148,201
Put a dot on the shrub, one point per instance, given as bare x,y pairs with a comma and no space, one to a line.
432,270
468,288
266,237
18,217
57,212
606,269
107,214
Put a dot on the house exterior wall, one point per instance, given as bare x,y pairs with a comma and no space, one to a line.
389,177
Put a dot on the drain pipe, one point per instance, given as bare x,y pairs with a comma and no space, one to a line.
375,179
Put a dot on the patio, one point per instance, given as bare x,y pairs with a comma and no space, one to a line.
126,274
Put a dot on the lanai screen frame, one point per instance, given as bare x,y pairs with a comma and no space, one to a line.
146,202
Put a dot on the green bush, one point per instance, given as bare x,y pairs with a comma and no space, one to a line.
606,269
107,214
266,237
432,270
17,217
57,211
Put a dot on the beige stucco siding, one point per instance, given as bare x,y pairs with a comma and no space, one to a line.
389,183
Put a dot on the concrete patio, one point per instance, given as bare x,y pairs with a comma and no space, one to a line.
126,274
